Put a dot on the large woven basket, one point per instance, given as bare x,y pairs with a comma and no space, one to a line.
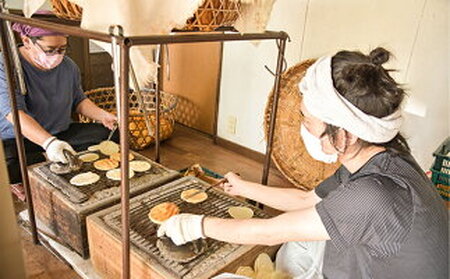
208,17
139,135
289,153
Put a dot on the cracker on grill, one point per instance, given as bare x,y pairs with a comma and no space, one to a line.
89,157
93,147
115,174
108,147
240,212
116,156
85,178
163,211
198,198
140,165
106,164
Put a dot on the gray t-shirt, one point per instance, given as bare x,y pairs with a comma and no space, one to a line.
52,96
385,221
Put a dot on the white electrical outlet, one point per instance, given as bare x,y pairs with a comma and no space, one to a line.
231,124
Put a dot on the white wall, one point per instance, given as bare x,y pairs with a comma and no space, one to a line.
245,83
427,78
414,31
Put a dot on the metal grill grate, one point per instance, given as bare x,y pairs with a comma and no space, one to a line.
143,231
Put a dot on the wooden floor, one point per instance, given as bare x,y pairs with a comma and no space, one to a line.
184,148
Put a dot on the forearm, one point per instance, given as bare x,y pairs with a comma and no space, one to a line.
89,109
31,129
303,225
284,199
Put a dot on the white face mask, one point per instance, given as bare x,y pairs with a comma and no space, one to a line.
314,147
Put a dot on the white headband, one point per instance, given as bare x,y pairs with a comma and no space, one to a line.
324,102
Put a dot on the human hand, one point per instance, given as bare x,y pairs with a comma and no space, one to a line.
182,228
108,120
235,185
54,149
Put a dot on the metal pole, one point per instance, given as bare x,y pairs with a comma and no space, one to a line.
141,102
17,128
58,27
124,165
15,54
205,37
159,59
116,31
217,101
273,112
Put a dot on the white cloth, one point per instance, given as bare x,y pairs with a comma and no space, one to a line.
302,259
255,15
182,228
31,6
138,18
324,102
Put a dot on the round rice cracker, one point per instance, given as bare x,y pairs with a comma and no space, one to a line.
115,174
89,157
108,147
140,165
93,147
240,212
116,156
198,198
106,164
163,211
84,179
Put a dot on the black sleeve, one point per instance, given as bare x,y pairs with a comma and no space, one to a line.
372,211
328,185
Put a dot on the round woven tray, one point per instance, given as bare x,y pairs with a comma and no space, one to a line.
139,135
208,17
289,153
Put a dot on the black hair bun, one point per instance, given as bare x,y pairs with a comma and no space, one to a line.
379,56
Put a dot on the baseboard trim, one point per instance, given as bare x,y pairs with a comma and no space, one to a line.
247,152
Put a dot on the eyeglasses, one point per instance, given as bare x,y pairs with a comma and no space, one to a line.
51,52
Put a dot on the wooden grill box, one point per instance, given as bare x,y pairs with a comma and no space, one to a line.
63,208
146,260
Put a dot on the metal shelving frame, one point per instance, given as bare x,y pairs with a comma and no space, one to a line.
124,44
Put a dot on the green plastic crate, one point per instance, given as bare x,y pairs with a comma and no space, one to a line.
440,178
442,160
444,191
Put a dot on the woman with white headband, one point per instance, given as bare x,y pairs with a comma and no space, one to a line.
378,216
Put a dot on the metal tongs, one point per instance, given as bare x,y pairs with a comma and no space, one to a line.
221,181
74,162
112,132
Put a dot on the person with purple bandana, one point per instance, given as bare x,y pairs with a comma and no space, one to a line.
54,94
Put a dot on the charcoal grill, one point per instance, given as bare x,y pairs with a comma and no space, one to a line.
104,229
63,207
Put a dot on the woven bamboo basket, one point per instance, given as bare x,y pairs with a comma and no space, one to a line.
208,17
66,9
139,137
289,153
